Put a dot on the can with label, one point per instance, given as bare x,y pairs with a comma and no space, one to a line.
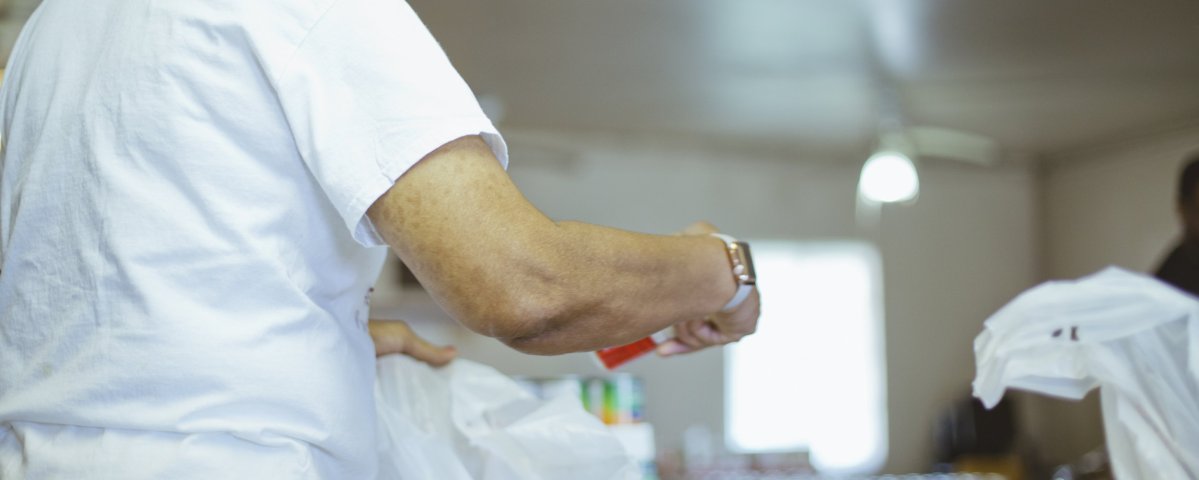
593,396
620,399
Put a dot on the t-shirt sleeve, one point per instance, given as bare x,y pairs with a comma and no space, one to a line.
367,95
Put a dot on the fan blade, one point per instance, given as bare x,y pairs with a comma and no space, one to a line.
954,144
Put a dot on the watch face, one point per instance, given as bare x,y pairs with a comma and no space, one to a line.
745,265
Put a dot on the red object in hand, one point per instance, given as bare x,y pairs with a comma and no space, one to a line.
613,357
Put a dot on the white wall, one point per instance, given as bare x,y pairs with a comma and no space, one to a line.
1111,204
949,261
1114,204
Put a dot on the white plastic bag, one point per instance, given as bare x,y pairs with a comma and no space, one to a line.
1134,337
466,421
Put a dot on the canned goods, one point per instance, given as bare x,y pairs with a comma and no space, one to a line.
593,396
617,399
624,400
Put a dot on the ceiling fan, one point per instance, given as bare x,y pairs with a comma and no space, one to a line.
889,175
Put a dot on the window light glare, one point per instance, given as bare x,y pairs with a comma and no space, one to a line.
889,177
812,377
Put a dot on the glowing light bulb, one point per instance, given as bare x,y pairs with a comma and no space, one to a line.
889,177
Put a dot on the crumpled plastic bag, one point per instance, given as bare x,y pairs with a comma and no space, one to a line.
466,421
1130,335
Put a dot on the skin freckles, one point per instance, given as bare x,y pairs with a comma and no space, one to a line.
502,268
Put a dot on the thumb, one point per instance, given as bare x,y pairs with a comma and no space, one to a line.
673,347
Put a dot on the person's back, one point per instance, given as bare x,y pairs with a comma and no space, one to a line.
172,268
188,196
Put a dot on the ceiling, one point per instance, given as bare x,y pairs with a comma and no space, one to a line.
1036,75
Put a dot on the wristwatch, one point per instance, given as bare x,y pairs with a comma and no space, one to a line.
742,264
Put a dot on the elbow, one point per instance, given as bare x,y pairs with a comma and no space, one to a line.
554,329
539,344
537,307
525,323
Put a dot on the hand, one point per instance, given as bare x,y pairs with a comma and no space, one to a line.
699,228
720,328
397,337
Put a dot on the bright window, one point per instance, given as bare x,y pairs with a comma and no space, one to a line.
812,378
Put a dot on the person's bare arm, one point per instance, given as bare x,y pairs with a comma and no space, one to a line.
503,269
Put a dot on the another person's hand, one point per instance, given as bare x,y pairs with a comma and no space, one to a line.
719,328
394,336
699,228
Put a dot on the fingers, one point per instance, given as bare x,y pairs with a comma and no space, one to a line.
673,347
711,334
699,228
715,330
742,321
691,336
685,334
392,337
436,356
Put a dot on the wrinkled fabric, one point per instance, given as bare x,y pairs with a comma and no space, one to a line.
1133,337
184,250
466,421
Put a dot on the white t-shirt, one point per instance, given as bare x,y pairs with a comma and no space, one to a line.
184,256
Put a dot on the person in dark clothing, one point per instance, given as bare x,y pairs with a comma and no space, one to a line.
1181,267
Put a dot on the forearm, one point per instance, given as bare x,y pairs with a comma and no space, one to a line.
606,287
566,287
611,286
